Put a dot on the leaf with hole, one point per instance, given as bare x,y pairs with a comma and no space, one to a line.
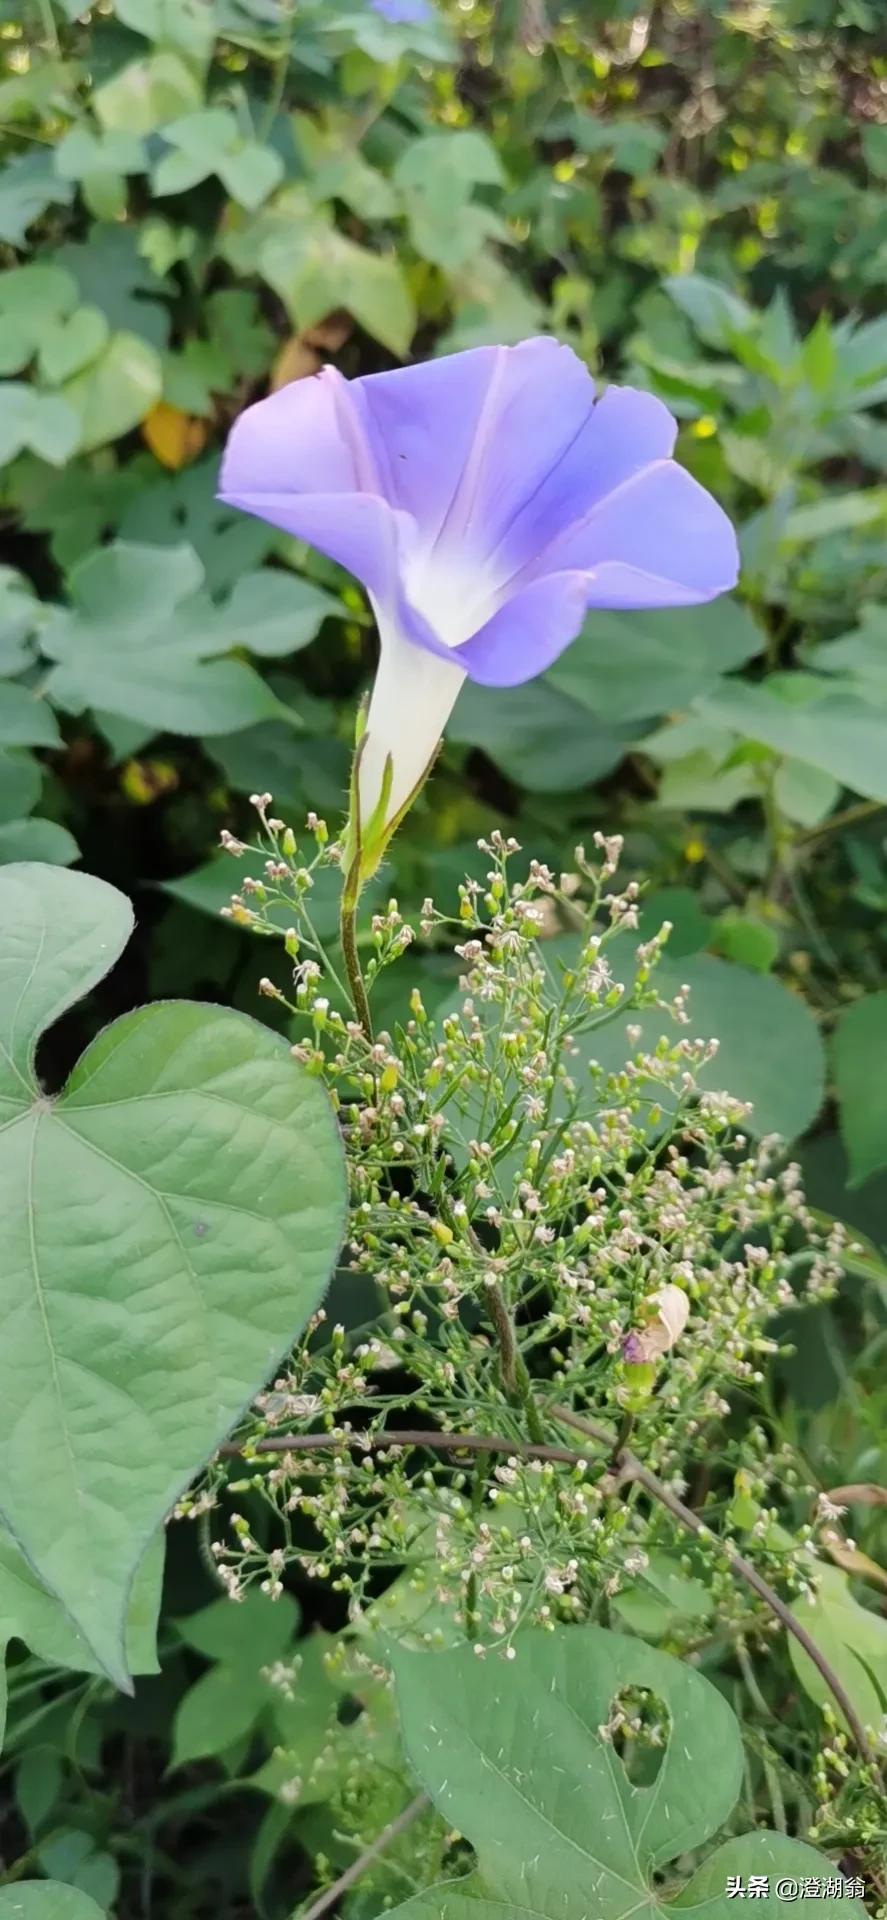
171,1218
522,1761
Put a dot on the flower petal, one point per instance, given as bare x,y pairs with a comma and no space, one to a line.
527,633
658,540
623,433
464,443
300,460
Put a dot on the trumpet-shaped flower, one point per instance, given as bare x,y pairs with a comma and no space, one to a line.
486,501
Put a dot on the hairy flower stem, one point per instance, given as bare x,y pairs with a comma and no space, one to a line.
348,928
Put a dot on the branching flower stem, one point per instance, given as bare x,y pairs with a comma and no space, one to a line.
626,1468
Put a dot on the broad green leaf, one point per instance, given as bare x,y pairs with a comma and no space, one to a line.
140,643
29,1613
838,733
170,1220
25,718
437,176
181,506
114,393
519,1760
545,741
83,152
854,1642
224,1705
859,1052
630,666
47,1900
769,1053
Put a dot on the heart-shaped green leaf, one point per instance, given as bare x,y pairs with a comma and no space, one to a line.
170,1221
521,1760
68,345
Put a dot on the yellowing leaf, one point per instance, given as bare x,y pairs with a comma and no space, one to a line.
295,361
174,438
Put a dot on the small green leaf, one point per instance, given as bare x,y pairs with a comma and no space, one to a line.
147,93
224,1705
69,345
860,1063
170,1221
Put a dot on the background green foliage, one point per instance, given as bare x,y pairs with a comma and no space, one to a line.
198,197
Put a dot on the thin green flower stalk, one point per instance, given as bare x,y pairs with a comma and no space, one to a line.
546,1217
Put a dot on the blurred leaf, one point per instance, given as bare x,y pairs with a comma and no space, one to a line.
28,185
112,275
25,719
538,736
110,397
146,94
630,666
853,1641
769,1053
860,1062
41,840
187,25
47,1900
45,423
139,641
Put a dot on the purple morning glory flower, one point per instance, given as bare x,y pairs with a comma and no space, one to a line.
404,13
486,501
